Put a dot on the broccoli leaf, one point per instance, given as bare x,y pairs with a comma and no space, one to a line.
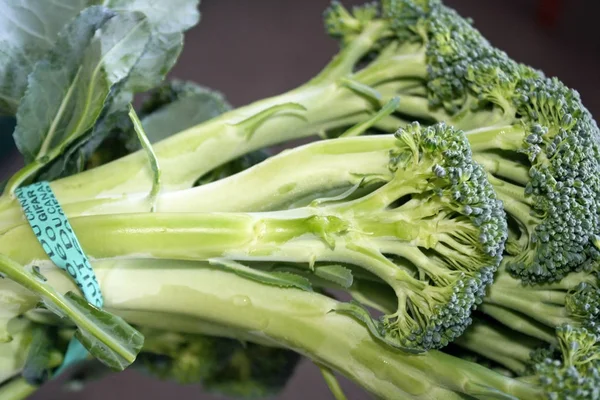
68,89
279,279
28,29
160,53
168,21
107,337
335,273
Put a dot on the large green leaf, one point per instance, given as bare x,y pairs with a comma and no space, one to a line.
107,337
169,19
67,90
28,29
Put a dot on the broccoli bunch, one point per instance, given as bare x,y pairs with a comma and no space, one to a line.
472,229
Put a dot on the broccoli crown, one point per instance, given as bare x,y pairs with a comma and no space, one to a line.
475,85
454,180
570,370
452,231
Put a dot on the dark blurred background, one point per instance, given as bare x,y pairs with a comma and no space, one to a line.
253,49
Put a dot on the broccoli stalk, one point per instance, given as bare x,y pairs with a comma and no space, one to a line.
16,389
287,317
434,232
499,344
537,310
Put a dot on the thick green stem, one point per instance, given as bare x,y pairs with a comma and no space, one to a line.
344,63
298,320
191,153
325,168
402,66
21,177
520,211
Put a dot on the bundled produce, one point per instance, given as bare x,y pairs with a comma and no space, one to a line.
452,193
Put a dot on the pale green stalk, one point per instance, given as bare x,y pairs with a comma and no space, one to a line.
295,319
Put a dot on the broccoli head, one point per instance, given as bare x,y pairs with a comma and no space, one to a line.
449,232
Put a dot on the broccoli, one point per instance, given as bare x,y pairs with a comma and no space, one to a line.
562,361
472,232
432,229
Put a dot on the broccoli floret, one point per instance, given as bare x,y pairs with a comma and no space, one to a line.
537,310
449,266
344,25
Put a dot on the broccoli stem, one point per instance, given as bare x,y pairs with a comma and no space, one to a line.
519,322
301,235
324,168
406,66
499,345
509,137
500,167
530,304
295,319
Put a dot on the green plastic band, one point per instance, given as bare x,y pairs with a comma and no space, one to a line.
52,229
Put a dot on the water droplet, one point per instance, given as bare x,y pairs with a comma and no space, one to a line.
241,301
